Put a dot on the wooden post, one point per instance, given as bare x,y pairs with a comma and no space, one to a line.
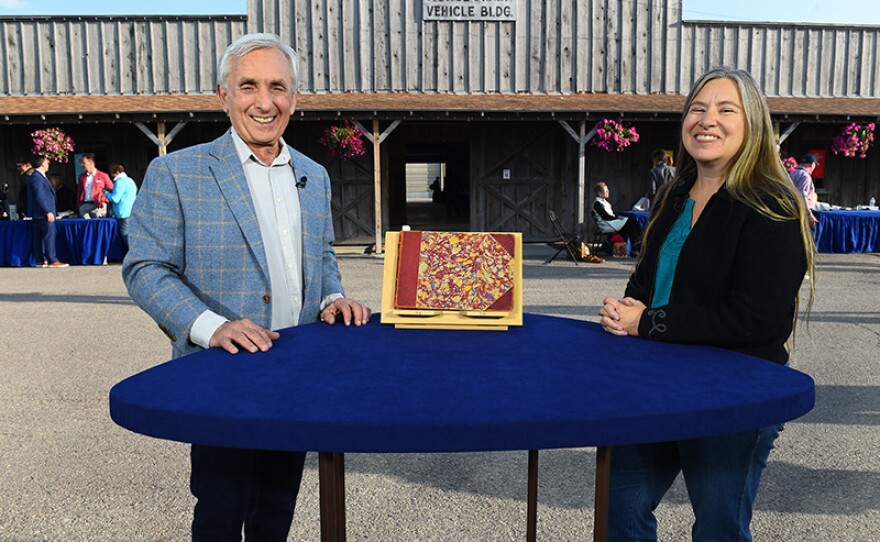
331,482
582,139
532,498
600,508
377,184
582,175
163,148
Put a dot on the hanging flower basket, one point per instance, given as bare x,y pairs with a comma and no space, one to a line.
53,144
790,164
854,141
344,141
612,135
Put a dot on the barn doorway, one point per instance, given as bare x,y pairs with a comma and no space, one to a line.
437,187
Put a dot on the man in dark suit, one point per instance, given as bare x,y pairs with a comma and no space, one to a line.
41,208
230,241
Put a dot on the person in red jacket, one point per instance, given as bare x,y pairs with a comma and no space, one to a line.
90,199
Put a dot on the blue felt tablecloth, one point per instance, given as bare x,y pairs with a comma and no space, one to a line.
837,231
640,216
848,231
79,241
551,383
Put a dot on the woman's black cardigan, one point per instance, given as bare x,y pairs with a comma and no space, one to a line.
736,281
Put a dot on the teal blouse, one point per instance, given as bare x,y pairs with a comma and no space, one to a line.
668,257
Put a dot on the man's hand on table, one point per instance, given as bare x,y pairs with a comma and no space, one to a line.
243,334
349,310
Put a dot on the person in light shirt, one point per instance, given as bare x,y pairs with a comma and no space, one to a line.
802,177
231,241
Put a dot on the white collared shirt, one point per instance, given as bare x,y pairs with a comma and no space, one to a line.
276,202
90,180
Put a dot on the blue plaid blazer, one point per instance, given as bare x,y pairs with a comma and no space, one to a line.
196,243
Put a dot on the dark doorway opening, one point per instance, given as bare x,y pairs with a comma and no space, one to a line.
430,185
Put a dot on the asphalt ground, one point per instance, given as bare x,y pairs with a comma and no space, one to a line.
68,473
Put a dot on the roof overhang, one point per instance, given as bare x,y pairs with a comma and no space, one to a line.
390,106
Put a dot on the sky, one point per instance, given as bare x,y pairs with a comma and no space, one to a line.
795,11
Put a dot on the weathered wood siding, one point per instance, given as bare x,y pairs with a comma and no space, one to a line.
553,47
113,55
787,59
559,47
562,47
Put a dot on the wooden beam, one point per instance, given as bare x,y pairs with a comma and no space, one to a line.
377,183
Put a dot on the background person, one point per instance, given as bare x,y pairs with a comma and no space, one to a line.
10,192
723,258
608,222
41,201
65,196
122,197
18,192
248,202
802,177
661,172
90,199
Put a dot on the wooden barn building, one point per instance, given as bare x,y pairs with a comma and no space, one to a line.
495,97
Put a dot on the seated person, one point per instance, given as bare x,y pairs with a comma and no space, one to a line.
608,222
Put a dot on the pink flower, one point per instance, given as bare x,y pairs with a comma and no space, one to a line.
612,135
52,143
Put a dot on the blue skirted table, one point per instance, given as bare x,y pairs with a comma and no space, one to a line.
552,383
79,241
640,216
840,232
848,231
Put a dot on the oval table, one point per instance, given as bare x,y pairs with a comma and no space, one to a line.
552,383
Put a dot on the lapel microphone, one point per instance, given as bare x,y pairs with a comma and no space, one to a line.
301,183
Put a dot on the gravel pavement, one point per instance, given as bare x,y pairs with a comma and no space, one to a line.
68,473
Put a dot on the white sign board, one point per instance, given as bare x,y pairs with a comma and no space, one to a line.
469,10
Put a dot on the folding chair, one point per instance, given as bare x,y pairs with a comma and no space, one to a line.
599,240
567,242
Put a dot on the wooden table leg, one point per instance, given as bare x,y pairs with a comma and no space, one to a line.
603,474
331,481
532,498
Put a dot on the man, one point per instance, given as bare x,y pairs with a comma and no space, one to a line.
659,174
9,193
250,203
122,196
90,199
41,202
65,196
802,177
16,203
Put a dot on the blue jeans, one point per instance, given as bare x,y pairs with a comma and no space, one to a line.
253,488
122,226
721,474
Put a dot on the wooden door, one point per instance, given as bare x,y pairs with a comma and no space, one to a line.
520,173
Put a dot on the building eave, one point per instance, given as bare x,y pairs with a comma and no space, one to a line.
206,107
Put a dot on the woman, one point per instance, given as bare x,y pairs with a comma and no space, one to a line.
608,222
723,258
122,197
